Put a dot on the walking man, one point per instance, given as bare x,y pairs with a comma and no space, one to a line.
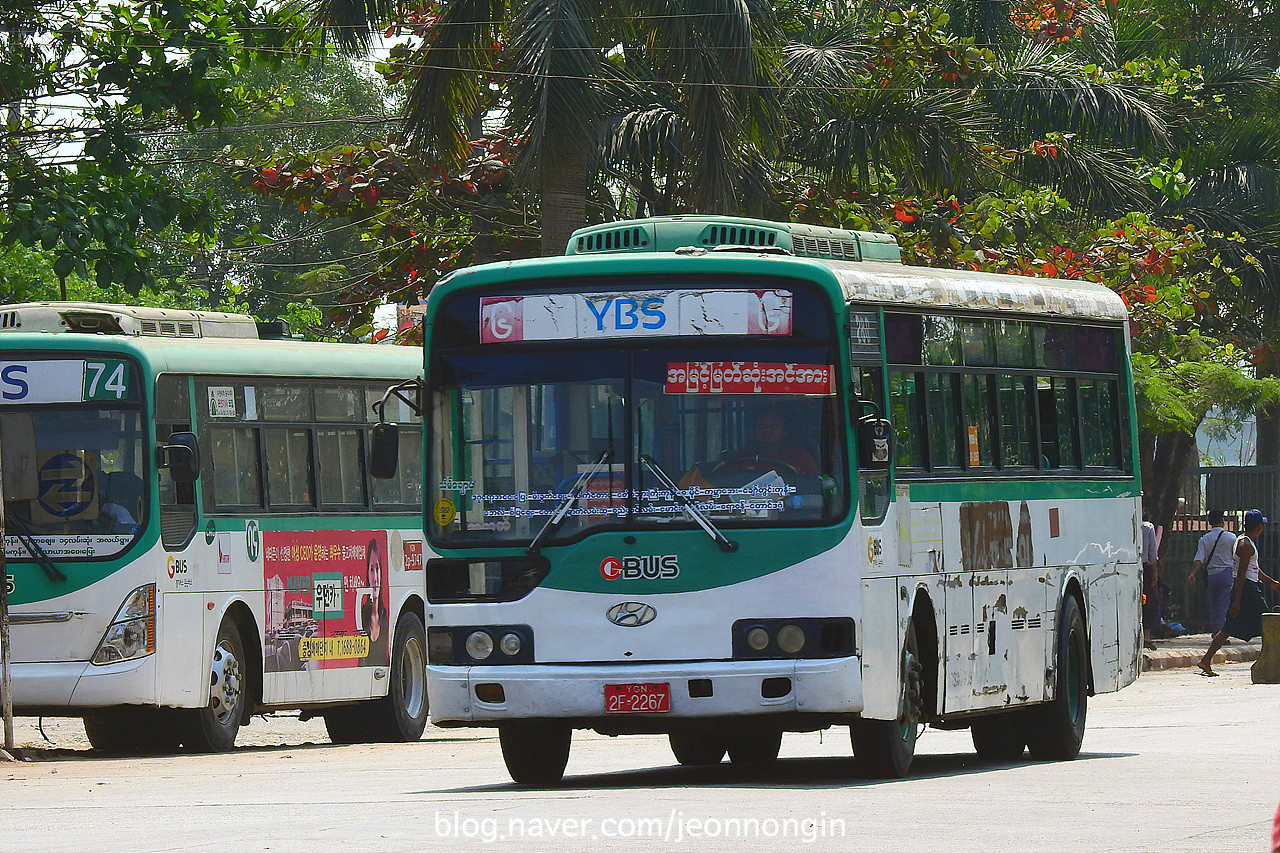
1216,556
1244,614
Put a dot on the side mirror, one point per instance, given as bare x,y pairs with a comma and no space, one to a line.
875,443
181,456
384,451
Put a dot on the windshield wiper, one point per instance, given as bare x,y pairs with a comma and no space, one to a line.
41,557
563,508
727,545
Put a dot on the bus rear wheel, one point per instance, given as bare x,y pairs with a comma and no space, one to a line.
884,749
697,747
214,727
1000,737
535,752
1056,729
401,715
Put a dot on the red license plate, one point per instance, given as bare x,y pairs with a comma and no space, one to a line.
637,698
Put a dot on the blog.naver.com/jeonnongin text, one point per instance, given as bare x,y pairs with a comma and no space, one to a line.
673,828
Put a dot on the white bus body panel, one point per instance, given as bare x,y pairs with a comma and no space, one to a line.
195,589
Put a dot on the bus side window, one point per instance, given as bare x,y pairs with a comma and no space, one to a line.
177,500
177,505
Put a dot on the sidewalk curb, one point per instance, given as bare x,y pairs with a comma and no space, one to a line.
1179,658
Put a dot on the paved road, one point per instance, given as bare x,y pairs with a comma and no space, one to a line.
1175,763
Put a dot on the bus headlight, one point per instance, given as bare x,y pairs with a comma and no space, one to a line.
803,637
467,645
790,638
132,633
479,645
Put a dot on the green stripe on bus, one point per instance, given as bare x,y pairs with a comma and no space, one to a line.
1031,489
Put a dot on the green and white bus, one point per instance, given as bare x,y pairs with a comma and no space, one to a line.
723,479
191,533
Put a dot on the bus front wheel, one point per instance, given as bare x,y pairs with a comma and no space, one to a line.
214,727
133,731
1057,728
884,749
697,747
401,715
535,752
756,748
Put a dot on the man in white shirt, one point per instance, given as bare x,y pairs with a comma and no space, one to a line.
1152,620
1216,555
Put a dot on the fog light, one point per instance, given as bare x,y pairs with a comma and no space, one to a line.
758,639
491,693
479,645
790,638
510,644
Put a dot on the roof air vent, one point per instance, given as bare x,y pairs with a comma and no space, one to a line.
614,240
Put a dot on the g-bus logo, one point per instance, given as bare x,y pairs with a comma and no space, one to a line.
649,567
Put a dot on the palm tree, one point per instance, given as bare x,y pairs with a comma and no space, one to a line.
558,67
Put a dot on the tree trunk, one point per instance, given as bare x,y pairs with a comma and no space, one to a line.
1174,451
564,197
482,222
1268,451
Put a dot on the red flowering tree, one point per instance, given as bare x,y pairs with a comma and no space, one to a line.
1192,332
419,219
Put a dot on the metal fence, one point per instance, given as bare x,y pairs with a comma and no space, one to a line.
1233,490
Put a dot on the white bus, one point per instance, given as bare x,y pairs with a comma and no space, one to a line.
723,479
191,533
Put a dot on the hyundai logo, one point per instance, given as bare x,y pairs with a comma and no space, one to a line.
631,614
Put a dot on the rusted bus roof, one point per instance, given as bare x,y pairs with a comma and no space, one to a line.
934,288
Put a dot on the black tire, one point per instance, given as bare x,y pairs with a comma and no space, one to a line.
1000,737
1055,730
697,747
884,749
401,715
535,752
755,749
214,727
133,731
345,725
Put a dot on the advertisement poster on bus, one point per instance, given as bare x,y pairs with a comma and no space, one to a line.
326,599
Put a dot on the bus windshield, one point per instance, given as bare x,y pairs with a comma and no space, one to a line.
751,434
74,479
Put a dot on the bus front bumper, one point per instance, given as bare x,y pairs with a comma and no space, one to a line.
577,691
64,686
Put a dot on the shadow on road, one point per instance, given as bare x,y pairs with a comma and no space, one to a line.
786,773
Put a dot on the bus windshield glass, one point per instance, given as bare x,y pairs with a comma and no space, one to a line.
74,479
749,433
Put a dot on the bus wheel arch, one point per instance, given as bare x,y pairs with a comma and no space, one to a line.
928,648
1057,727
1074,590
885,749
242,618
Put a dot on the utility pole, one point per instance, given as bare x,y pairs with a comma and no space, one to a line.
6,683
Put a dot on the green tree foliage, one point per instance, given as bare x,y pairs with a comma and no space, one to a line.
83,83
264,252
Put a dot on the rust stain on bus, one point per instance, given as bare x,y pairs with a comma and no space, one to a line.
986,535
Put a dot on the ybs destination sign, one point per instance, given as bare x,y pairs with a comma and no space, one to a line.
644,313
